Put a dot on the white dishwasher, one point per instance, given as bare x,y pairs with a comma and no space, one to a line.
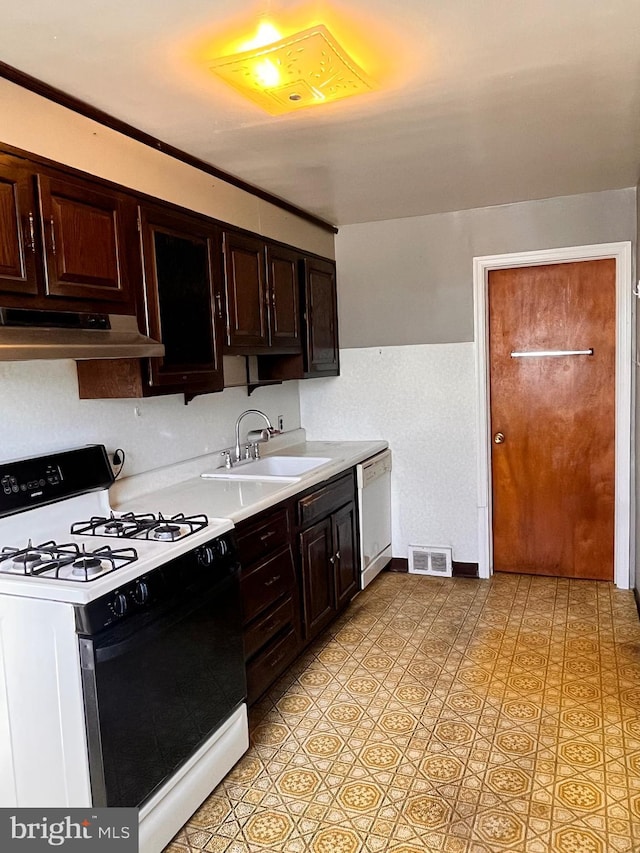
374,506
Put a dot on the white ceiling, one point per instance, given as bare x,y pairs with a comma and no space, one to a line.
481,102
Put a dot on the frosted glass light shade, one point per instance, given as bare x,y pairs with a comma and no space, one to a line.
304,69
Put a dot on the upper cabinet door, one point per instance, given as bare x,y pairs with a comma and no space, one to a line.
284,299
18,265
321,310
83,231
180,257
246,293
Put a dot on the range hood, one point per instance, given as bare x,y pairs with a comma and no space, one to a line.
26,335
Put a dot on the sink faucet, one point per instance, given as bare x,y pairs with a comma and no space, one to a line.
269,430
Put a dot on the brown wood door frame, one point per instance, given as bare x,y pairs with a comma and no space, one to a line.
621,252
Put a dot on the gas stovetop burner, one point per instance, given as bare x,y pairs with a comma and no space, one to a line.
166,531
88,566
64,562
26,558
142,526
114,527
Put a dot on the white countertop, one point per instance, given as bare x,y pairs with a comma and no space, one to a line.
235,499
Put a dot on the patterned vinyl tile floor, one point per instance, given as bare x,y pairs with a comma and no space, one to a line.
450,715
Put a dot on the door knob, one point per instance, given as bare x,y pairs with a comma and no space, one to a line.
498,438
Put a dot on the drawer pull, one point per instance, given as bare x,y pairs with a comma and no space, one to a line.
268,535
272,580
278,660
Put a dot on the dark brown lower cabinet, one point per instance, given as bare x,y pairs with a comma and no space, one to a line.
295,578
346,559
316,550
328,552
270,598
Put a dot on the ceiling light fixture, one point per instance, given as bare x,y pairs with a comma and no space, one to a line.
301,70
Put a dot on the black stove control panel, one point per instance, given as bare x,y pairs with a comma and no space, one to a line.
183,579
39,480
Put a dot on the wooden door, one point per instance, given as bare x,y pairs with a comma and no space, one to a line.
284,297
245,293
322,357
87,238
553,473
18,267
345,544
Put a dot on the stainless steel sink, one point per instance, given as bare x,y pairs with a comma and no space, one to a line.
283,468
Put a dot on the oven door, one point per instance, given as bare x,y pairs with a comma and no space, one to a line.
157,686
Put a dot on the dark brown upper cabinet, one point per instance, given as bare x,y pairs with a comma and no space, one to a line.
83,233
246,296
182,294
285,334
261,296
181,262
65,243
18,267
319,311
321,354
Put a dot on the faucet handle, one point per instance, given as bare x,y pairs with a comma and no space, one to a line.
227,458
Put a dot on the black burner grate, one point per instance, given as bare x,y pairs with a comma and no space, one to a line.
47,561
142,526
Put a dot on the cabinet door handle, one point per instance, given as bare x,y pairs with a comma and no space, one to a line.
277,660
30,234
219,304
337,555
272,580
332,559
53,235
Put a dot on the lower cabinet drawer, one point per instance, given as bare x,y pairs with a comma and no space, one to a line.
267,582
265,627
259,537
263,669
325,500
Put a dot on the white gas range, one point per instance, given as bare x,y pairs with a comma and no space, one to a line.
107,621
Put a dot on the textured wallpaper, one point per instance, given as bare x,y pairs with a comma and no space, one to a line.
421,399
41,412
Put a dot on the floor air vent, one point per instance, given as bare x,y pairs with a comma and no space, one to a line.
424,560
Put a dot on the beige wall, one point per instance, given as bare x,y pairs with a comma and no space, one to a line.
409,281
43,127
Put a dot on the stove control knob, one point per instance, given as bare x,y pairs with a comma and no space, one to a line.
223,548
206,555
119,604
140,592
